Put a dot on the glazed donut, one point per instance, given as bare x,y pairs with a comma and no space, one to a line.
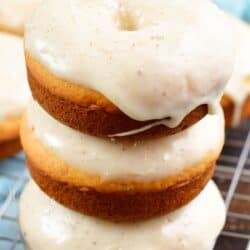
47,225
236,100
128,67
14,14
120,180
14,93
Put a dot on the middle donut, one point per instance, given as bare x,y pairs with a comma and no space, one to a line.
120,180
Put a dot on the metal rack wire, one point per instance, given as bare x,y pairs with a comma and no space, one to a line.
14,176
232,176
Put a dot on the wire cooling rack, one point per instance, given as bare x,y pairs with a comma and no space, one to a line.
232,176
13,177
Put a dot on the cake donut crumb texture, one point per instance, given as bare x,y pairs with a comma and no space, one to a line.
101,177
46,224
132,62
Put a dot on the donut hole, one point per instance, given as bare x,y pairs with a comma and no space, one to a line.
126,20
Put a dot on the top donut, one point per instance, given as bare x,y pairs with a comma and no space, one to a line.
14,14
125,67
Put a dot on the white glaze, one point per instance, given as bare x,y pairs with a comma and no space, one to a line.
46,224
14,13
238,88
167,67
14,90
163,122
139,160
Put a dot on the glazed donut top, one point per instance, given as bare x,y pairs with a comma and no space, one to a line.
48,225
238,88
153,59
14,90
152,159
14,14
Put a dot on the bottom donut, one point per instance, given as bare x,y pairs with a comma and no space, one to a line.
45,224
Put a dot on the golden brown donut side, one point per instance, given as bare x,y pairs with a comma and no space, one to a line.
9,137
9,129
10,31
88,111
114,200
121,206
229,106
9,148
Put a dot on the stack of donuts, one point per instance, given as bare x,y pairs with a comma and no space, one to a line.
14,91
125,127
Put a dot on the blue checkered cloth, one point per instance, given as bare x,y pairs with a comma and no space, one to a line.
13,177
